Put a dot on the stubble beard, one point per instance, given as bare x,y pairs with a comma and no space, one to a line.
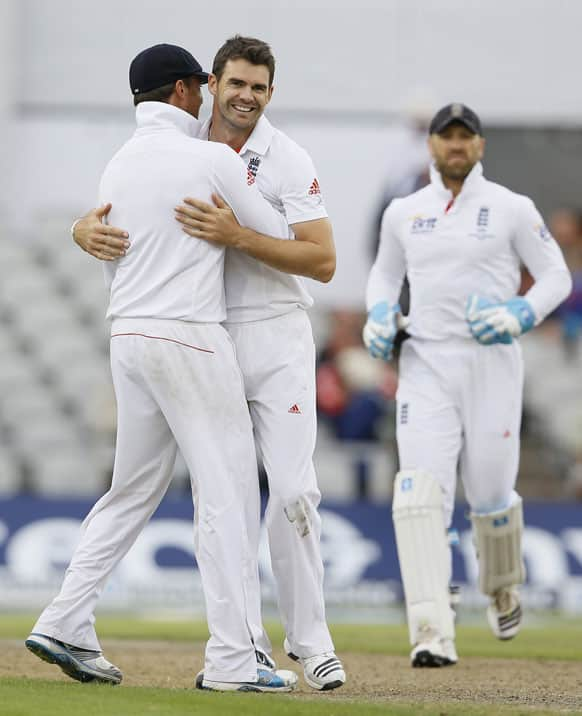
234,122
457,173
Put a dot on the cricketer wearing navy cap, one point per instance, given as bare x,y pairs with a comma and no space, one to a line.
169,283
460,241
455,113
161,65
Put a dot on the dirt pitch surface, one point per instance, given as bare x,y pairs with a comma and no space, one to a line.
549,685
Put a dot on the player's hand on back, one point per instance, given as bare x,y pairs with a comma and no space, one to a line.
216,224
491,323
102,241
381,328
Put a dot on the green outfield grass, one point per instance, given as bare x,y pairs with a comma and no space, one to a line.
552,638
25,697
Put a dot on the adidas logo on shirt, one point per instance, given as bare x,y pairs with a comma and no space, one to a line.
314,188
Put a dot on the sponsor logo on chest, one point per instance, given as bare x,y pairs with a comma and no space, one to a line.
423,225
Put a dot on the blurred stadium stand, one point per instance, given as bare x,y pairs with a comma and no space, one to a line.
57,410
56,400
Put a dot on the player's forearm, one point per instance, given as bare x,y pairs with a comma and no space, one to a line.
548,292
384,285
290,256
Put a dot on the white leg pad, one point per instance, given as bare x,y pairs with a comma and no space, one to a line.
423,552
497,538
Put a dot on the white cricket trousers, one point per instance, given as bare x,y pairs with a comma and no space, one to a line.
277,360
176,383
459,408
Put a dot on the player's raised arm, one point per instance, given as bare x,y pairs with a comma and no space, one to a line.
94,236
312,253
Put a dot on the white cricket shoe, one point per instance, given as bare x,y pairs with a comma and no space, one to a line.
504,613
431,650
264,661
323,672
268,682
80,664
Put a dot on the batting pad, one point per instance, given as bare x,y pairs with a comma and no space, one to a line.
423,552
498,542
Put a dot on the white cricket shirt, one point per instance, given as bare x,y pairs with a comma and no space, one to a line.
166,273
286,177
473,245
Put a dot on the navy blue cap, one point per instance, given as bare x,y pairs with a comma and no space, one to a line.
455,112
161,65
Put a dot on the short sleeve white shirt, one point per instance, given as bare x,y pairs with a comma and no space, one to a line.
286,177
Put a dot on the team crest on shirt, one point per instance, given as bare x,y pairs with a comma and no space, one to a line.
482,224
422,225
252,169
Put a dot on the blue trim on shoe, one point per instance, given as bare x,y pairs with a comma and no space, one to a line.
267,682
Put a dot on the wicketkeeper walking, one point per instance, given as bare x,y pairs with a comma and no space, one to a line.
460,241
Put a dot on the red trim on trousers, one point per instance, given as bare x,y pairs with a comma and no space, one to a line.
161,338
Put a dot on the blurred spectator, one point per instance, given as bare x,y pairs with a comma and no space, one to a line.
407,169
353,389
407,160
566,227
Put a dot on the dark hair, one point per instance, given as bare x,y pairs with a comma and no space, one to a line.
250,49
160,94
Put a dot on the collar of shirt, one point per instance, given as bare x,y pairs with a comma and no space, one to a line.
204,129
260,138
258,141
161,115
472,183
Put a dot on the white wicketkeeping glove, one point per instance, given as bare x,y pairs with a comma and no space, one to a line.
381,328
491,323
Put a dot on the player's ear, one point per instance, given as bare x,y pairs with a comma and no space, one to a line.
270,93
212,84
430,145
